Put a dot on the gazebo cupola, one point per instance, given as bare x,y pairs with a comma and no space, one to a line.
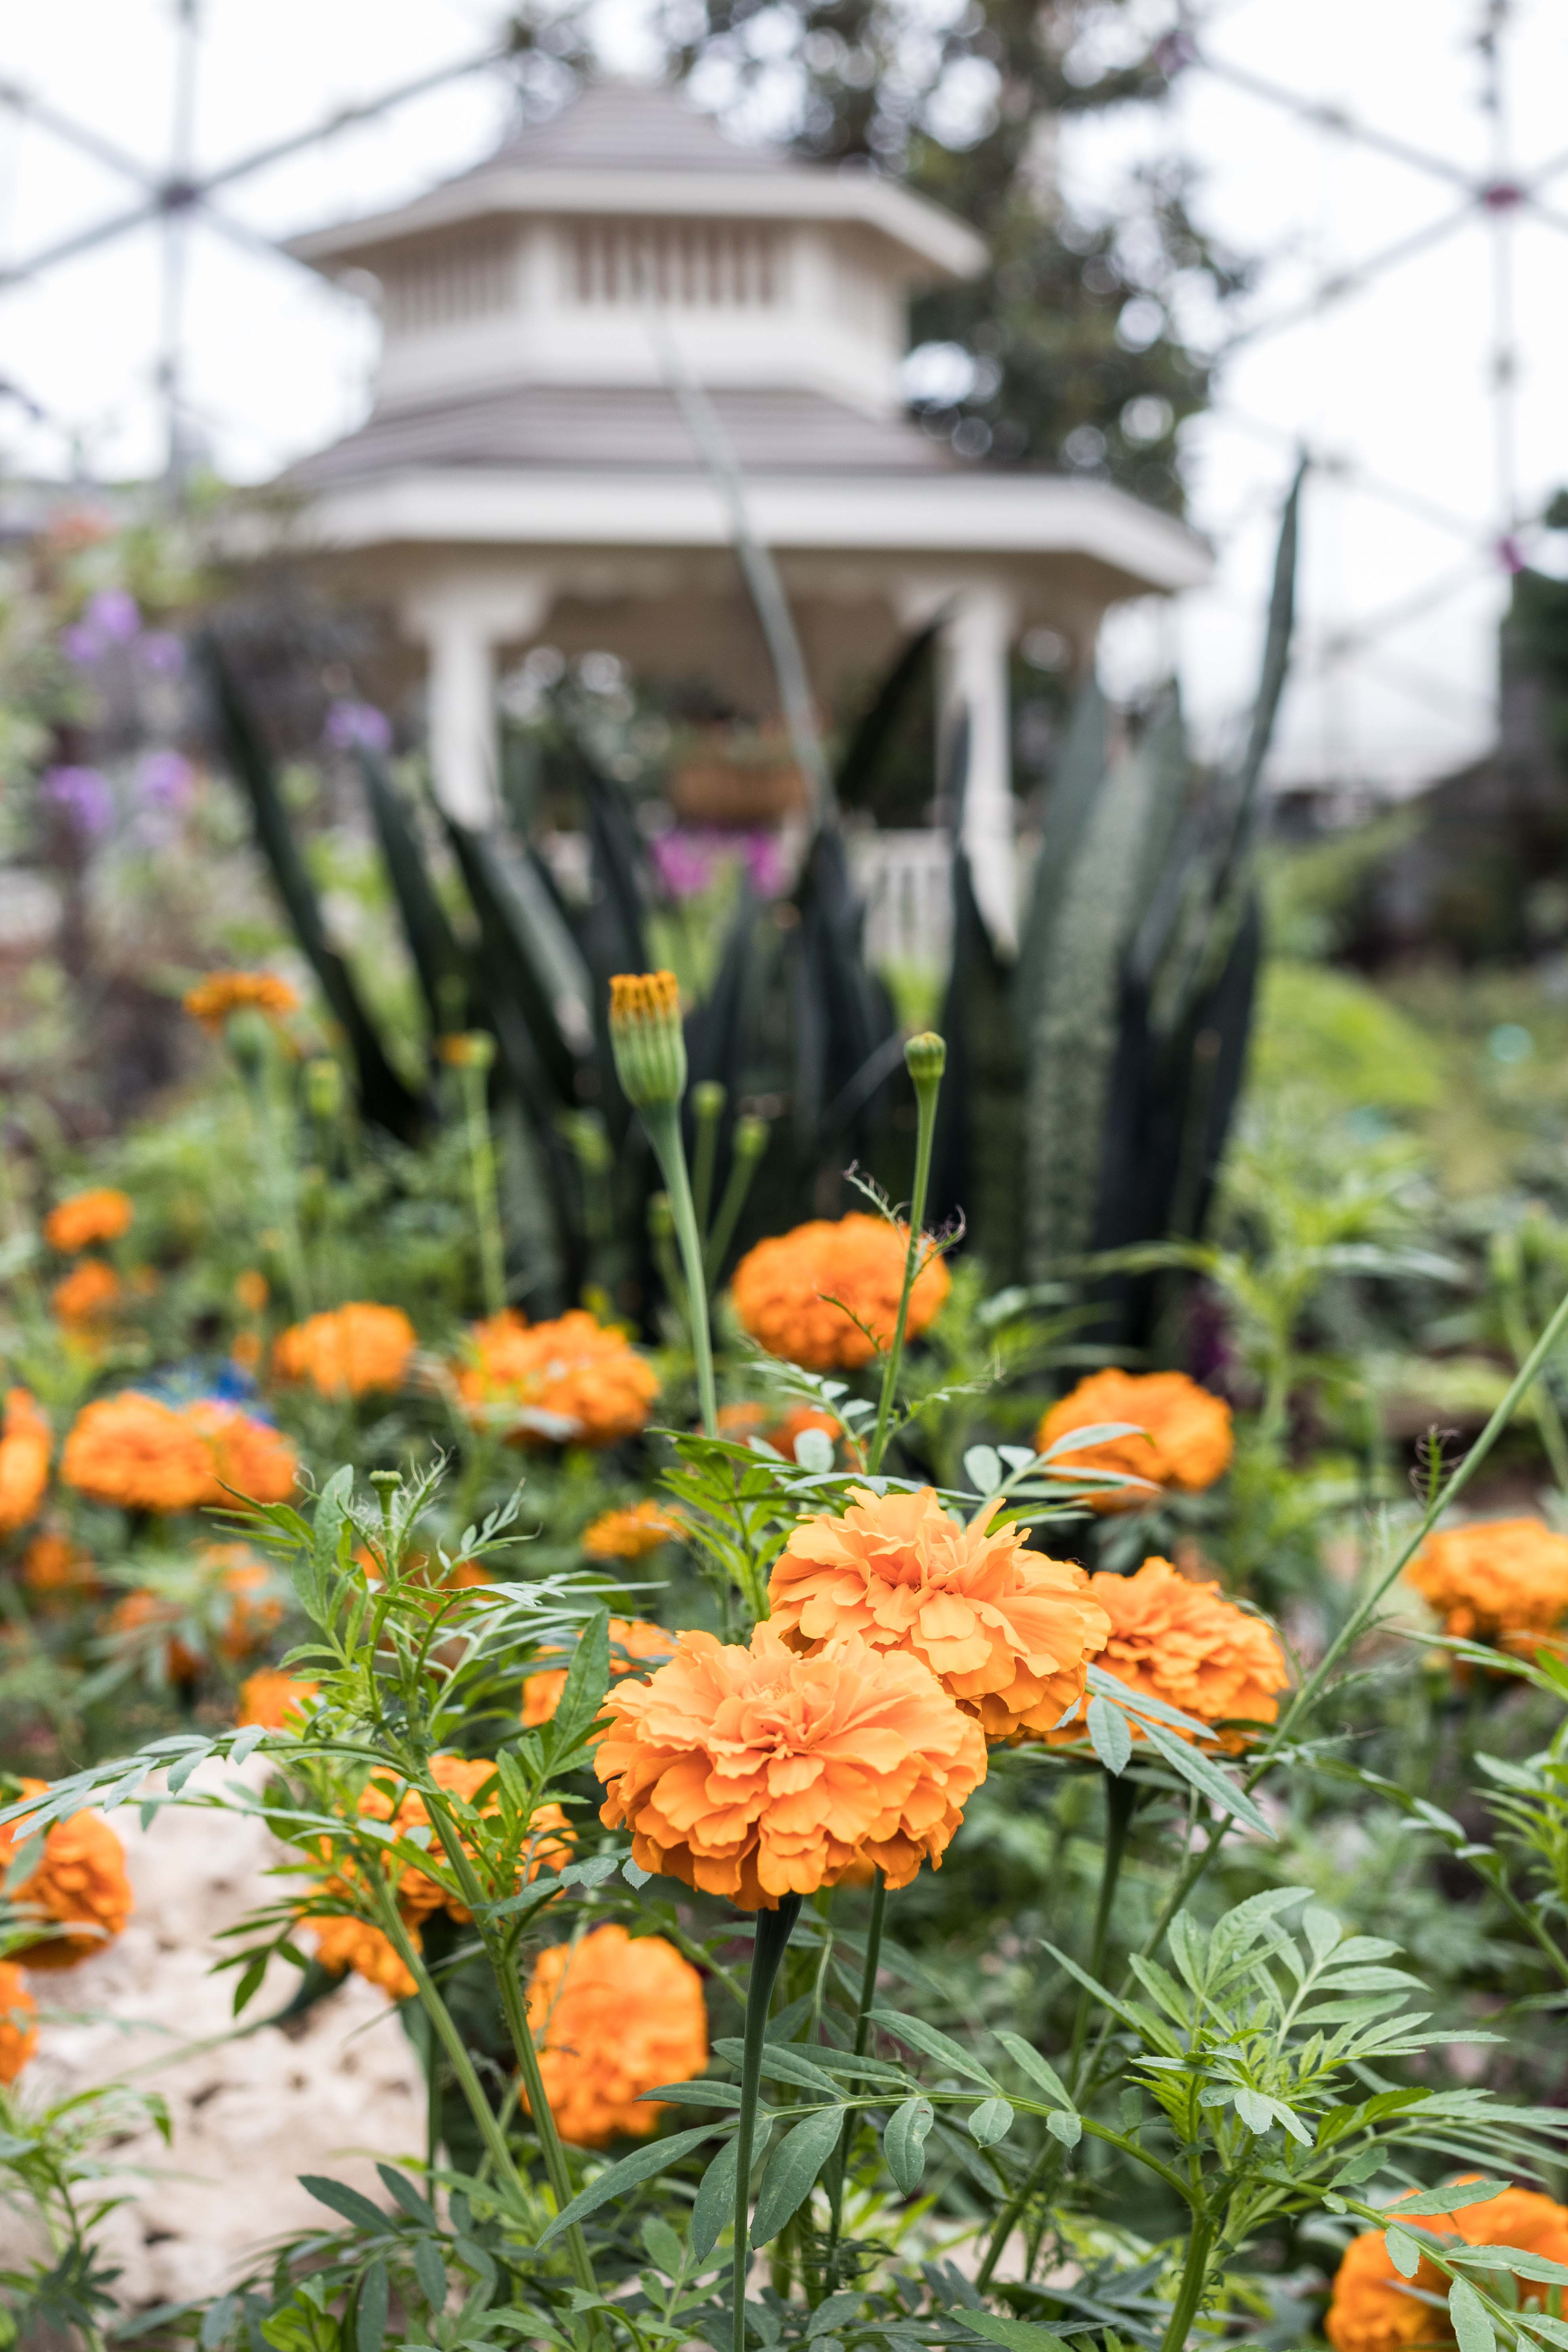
539,268
527,467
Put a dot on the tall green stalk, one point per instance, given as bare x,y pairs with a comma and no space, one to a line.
663,1123
767,1953
515,2010
251,1042
862,2034
1190,2294
748,1142
473,1069
1121,1802
925,1058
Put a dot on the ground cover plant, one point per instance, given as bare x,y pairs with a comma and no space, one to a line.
887,1821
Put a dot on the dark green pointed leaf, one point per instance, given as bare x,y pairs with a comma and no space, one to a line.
791,2170
714,2205
369,2317
904,2142
630,2173
341,2200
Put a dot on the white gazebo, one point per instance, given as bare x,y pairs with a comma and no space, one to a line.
526,470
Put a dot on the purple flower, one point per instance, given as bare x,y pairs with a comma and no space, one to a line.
84,794
80,645
114,615
683,862
357,726
164,780
162,652
765,862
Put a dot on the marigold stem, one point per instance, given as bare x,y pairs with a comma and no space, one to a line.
663,1123
862,2035
928,1086
482,1179
515,2008
767,1954
1189,2294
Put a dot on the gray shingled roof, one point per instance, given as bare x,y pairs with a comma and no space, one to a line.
624,126
623,428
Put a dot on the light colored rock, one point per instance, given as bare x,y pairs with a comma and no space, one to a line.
251,2112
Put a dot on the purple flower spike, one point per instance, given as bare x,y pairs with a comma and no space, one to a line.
84,794
357,726
683,863
115,614
765,862
164,780
80,645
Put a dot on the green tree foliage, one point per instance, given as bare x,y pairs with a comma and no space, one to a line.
1075,354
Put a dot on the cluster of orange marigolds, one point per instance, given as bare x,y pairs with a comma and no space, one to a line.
846,1737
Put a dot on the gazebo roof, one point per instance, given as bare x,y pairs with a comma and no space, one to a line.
641,147
626,428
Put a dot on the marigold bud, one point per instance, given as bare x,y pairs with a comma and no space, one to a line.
323,1086
925,1058
648,1042
750,1140
707,1099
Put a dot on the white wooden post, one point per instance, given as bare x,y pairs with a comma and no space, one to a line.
976,641
460,621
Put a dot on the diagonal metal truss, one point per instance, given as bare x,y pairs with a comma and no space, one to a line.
169,200
1496,201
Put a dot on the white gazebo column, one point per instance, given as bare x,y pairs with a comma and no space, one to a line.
460,621
976,643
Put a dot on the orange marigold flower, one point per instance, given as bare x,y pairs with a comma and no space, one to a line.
146,1456
54,1568
1374,2309
786,1291
548,1842
756,1773
135,1624
629,1535
88,1291
26,1442
78,1893
18,2028
347,1351
572,1379
1502,1581
1008,1632
1185,1643
276,1700
222,992
614,2015
1187,1445
347,1943
102,1214
633,1644
250,1290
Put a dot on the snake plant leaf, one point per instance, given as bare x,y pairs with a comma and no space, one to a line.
440,963
384,1095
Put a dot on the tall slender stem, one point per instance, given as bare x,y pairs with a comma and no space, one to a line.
515,2010
925,1058
278,1175
1189,2294
663,1123
862,2034
1121,1802
748,1142
707,1099
440,2017
482,1179
767,1953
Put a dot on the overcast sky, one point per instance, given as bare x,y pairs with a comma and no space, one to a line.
1392,384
